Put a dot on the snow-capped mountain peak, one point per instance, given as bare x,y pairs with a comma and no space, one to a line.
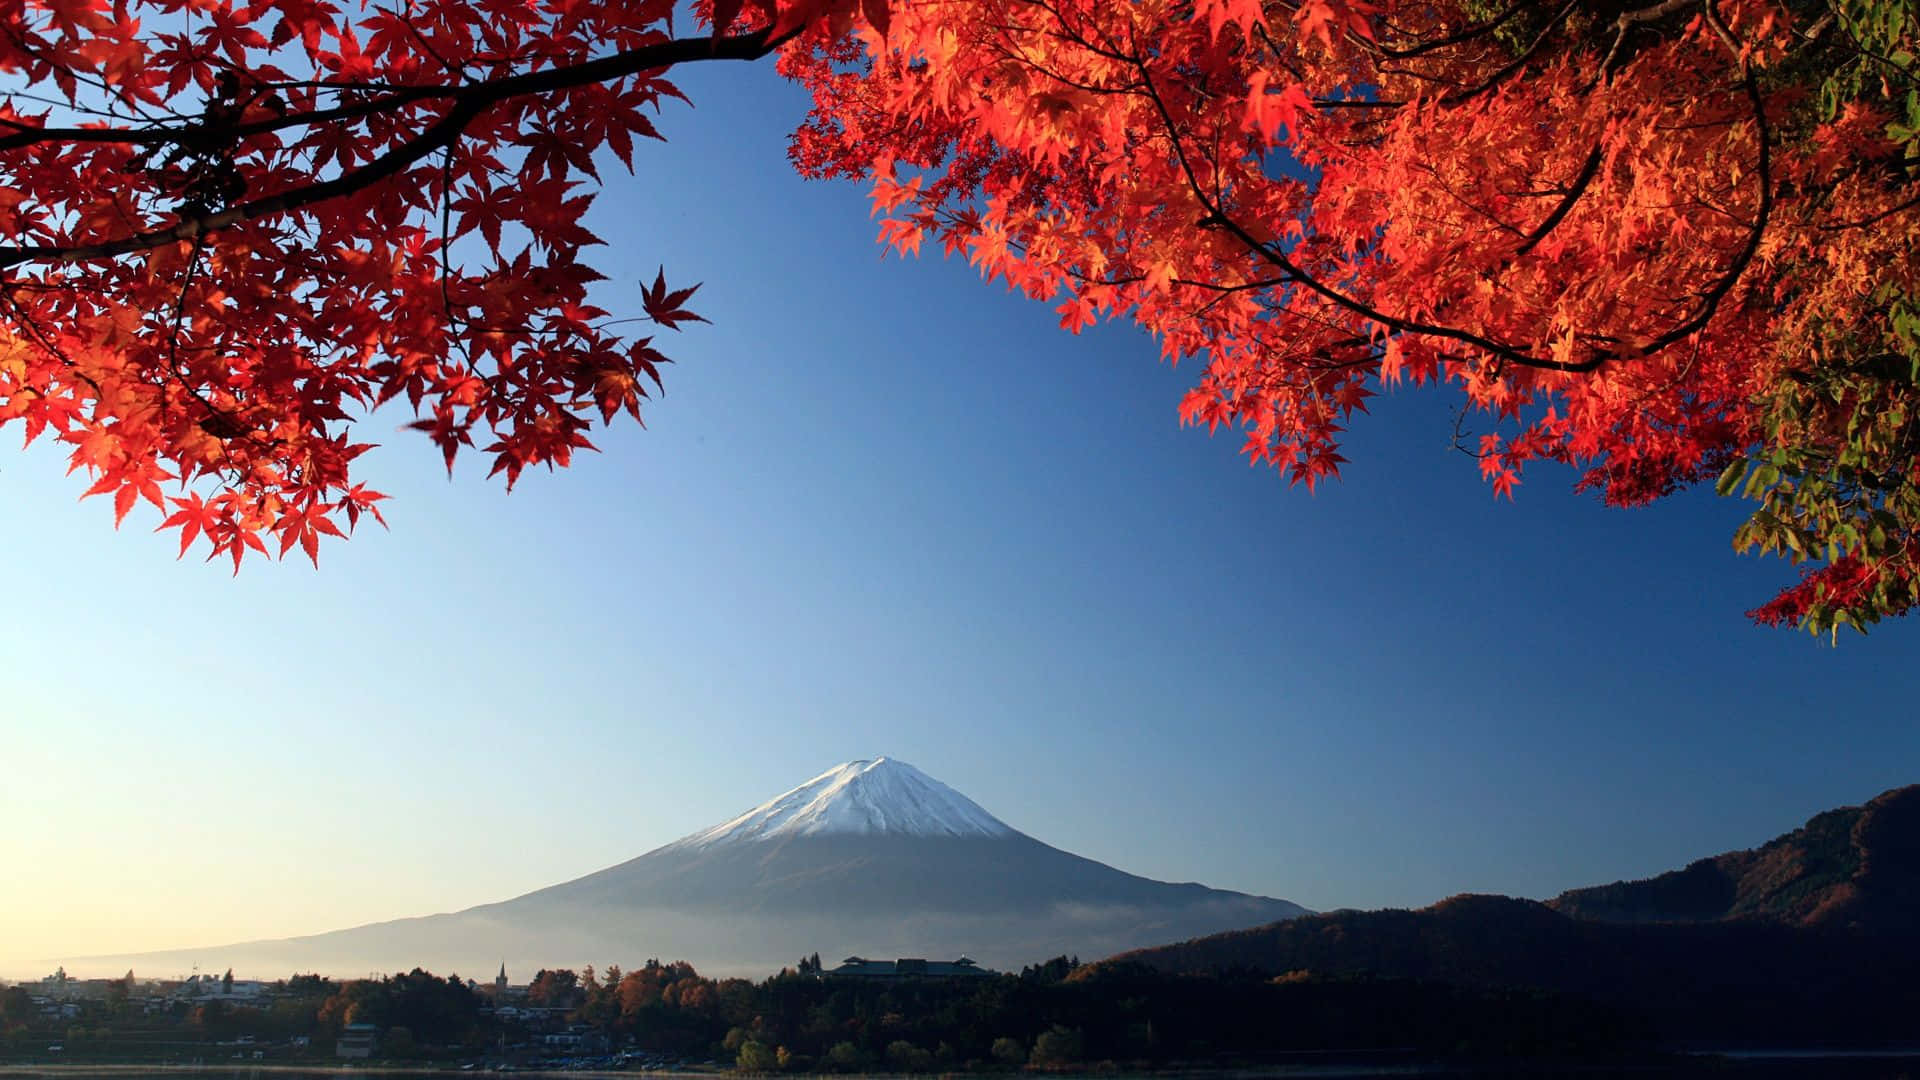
883,795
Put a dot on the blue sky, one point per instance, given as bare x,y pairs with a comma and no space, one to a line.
887,509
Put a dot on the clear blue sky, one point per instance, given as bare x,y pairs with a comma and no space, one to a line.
887,509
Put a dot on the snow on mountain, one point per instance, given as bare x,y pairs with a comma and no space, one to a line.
883,795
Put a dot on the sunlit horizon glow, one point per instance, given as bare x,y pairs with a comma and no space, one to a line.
884,509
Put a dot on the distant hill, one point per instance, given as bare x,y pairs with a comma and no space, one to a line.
1814,937
1855,866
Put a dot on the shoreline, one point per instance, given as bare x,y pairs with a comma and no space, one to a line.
1731,1062
1697,1063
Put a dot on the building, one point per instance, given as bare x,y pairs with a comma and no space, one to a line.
499,991
577,1038
907,967
356,1042
197,988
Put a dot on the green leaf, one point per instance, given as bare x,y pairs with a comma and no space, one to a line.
1731,477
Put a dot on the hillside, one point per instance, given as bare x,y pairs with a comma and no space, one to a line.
1811,938
1854,866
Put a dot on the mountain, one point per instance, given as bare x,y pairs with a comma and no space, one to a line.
869,858
1811,937
1854,866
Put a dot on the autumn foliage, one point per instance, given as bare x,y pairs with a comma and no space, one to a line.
1662,243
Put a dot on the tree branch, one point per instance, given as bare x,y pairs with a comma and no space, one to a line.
1579,188
469,101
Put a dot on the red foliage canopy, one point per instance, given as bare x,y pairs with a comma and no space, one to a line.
1659,242
228,232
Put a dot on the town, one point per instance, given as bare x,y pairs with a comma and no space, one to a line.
907,1015
560,1019
205,1018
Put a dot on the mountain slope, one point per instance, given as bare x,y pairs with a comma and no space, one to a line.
1857,865
873,874
1811,937
872,857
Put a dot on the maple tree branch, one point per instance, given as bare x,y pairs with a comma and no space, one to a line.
218,422
179,315
749,46
1217,216
1472,207
1463,94
115,94
1501,351
1720,31
1763,168
1461,434
1893,69
456,70
1517,63
469,102
1874,219
1629,19
1022,58
1458,37
40,337
1578,188
440,133
62,103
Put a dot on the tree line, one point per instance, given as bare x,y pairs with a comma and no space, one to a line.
1056,1013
